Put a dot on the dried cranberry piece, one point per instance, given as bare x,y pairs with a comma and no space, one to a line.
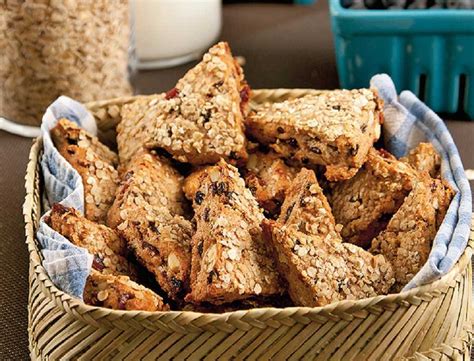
122,301
98,263
173,93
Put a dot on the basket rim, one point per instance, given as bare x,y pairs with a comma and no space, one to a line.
343,309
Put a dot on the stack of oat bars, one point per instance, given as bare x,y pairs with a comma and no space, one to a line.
212,206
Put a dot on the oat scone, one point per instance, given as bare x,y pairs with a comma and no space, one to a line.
320,269
120,293
424,158
406,242
306,208
199,121
148,179
105,245
268,177
147,214
230,259
333,128
94,162
365,203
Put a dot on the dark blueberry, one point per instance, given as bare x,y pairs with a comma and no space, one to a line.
336,107
206,115
280,130
176,283
292,142
200,248
305,160
199,197
219,188
218,84
71,141
233,155
353,151
315,149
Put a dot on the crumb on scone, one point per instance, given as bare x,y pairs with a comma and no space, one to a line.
107,248
268,177
424,158
365,203
147,214
199,121
306,208
230,259
320,269
333,128
406,242
94,162
120,293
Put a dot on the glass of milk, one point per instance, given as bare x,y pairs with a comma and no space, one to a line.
166,33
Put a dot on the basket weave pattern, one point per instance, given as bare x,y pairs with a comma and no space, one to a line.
429,322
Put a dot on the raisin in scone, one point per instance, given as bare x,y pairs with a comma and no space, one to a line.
230,259
268,177
333,128
407,240
120,293
94,162
147,214
365,203
424,158
199,121
107,248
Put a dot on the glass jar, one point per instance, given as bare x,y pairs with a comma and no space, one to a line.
61,47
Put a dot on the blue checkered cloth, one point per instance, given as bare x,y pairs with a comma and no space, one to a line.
407,122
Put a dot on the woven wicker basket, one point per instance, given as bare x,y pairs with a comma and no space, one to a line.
429,322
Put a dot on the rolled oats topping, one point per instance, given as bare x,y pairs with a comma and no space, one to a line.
331,128
424,158
94,162
230,259
199,121
320,269
148,214
105,245
365,203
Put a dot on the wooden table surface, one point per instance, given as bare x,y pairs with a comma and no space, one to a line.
284,46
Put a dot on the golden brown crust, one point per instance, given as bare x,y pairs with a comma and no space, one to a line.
95,164
333,128
147,214
230,260
320,269
108,249
406,242
199,121
424,158
306,209
120,293
268,177
365,203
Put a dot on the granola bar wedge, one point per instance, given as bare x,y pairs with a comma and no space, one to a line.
108,249
333,128
147,214
306,208
199,121
365,203
230,259
268,177
94,162
320,269
406,242
424,158
120,293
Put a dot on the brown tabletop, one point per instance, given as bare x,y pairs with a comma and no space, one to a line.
284,47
